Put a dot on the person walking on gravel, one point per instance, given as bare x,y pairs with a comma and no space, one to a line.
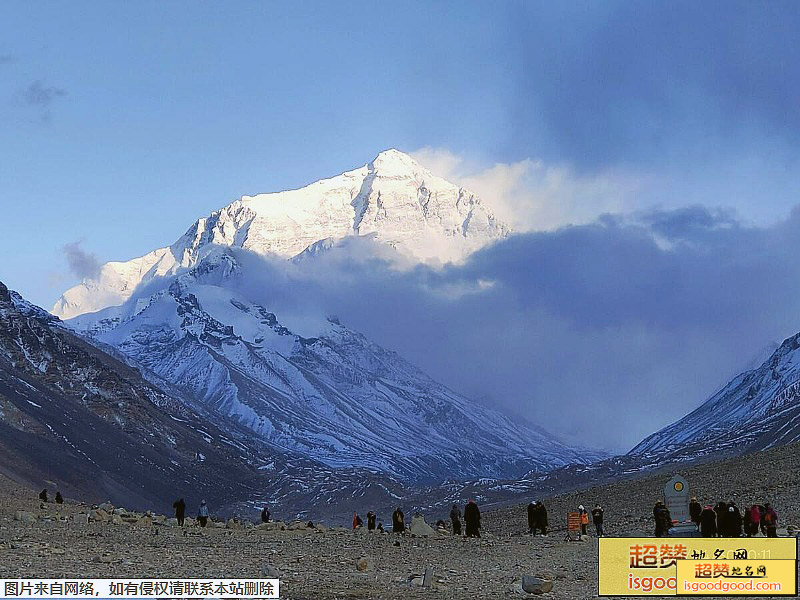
472,519
584,515
597,519
455,519
695,508
202,514
755,520
708,522
533,517
43,495
770,520
180,510
542,517
398,521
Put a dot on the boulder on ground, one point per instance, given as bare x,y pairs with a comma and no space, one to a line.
297,526
536,585
24,516
420,528
364,563
120,511
98,515
117,520
145,521
269,571
271,526
233,524
106,507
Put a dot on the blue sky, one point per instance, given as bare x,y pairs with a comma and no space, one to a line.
669,132
124,122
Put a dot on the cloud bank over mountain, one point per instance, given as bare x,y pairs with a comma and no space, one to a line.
601,333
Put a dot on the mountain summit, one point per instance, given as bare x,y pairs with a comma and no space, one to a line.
392,198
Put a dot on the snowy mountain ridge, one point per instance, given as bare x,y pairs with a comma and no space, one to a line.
392,198
757,409
335,398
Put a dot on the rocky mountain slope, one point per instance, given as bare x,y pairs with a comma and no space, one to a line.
85,421
335,397
758,409
392,198
77,417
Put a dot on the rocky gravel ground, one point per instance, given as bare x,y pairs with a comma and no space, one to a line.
75,540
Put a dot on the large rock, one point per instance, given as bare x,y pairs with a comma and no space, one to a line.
364,563
536,585
272,526
145,521
24,517
420,528
297,526
107,507
233,524
269,571
117,520
120,511
98,515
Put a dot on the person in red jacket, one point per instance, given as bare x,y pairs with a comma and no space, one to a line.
755,520
770,520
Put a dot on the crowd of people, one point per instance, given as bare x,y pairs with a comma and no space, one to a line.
724,519
727,520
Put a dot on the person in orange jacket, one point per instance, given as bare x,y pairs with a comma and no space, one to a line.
584,519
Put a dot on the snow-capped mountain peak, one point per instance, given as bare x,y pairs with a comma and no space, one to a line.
391,198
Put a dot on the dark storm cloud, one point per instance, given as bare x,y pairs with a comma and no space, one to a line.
81,263
601,333
614,82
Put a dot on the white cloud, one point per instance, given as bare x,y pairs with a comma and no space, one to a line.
533,196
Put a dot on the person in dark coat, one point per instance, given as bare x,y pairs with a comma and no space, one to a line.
43,495
533,517
597,519
770,520
695,509
455,519
708,522
541,517
472,519
265,515
398,521
59,498
180,510
658,517
734,521
722,517
371,518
